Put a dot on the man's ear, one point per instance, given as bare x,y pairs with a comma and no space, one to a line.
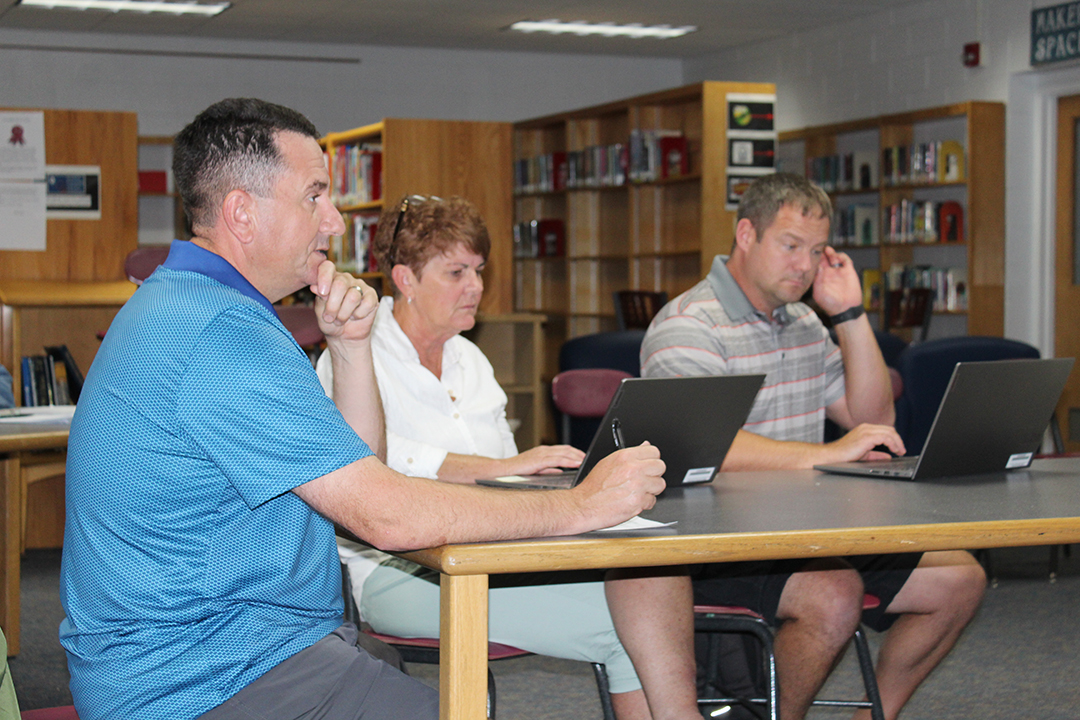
745,234
240,215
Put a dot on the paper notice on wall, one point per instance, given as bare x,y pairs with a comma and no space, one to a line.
22,146
22,215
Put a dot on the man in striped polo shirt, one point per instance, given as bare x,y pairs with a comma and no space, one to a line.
745,317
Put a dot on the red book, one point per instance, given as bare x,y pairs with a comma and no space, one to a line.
551,237
153,181
674,158
951,222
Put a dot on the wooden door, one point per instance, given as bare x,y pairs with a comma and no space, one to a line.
1067,264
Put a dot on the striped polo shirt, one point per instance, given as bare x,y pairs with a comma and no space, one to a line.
712,329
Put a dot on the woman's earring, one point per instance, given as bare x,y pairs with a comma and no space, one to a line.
409,299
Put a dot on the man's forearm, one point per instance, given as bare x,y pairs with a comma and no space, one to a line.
751,451
356,394
866,378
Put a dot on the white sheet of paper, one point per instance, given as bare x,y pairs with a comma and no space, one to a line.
40,414
636,523
22,145
22,215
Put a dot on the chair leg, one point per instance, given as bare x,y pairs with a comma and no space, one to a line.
866,667
491,696
604,689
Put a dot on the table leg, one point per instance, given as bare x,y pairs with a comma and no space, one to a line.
463,638
10,511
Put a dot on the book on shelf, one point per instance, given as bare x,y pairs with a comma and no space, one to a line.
73,375
674,156
951,221
46,380
949,284
923,221
872,287
923,163
855,225
357,173
545,237
351,251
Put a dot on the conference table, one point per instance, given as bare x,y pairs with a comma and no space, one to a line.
757,516
46,431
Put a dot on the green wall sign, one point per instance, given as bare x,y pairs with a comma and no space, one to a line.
1055,33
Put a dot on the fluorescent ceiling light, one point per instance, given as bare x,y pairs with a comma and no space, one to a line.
143,6
633,30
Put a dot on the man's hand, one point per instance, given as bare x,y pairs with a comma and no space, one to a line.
543,458
836,285
860,442
344,305
621,486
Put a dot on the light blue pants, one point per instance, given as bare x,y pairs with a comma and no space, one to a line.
558,619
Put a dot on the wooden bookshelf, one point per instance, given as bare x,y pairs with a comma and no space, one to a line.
161,213
444,158
980,127
656,235
514,345
473,160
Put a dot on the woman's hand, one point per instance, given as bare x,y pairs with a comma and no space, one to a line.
544,458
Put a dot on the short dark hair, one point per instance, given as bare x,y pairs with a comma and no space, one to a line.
231,145
427,227
766,195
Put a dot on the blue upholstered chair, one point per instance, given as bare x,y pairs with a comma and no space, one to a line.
925,369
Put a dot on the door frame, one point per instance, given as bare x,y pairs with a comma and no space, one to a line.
1031,200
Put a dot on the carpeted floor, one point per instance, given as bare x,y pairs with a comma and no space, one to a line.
1019,658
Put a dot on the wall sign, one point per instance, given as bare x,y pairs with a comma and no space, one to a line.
1055,33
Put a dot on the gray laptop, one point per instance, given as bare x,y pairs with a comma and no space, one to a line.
992,418
692,420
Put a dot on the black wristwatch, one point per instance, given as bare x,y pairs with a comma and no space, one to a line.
850,314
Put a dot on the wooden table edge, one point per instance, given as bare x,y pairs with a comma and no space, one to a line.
549,554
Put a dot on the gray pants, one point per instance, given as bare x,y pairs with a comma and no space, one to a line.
331,680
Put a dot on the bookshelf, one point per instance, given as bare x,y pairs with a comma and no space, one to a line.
161,211
442,157
513,343
978,189
473,160
654,234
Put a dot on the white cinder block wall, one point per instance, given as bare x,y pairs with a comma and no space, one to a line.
908,58
40,70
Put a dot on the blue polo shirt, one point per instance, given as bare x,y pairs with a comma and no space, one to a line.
189,569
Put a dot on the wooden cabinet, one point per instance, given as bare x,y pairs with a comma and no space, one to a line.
444,158
659,234
978,188
513,343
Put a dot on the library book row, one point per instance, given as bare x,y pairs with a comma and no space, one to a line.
51,379
917,164
902,223
357,174
540,238
352,250
949,285
648,156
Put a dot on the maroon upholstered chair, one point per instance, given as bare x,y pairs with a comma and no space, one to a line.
300,320
141,262
584,393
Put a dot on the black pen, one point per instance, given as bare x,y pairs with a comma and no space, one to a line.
616,433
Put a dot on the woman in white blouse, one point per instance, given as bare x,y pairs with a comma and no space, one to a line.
446,419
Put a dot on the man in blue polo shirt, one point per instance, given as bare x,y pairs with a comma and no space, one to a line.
200,575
